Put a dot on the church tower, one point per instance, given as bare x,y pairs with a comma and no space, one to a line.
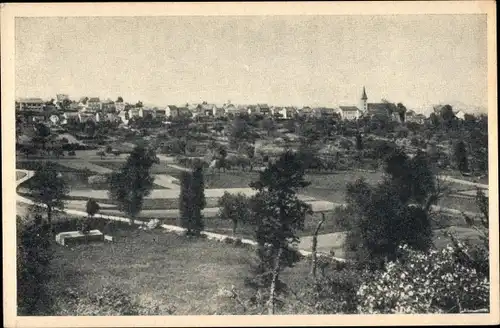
364,101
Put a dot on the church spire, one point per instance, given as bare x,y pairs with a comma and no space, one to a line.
363,96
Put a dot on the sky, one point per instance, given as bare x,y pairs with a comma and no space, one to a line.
418,60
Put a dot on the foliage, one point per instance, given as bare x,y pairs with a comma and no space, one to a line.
235,208
460,156
108,301
334,292
48,187
133,181
34,254
418,282
394,212
192,201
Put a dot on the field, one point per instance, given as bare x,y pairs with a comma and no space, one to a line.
156,266
161,168
217,225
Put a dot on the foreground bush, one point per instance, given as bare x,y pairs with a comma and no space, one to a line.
34,254
433,282
109,301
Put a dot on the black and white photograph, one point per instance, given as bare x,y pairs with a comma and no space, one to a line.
251,164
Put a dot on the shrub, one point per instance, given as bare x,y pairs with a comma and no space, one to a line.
34,254
97,179
235,208
238,242
228,240
105,302
433,282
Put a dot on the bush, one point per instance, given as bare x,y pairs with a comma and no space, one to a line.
235,208
228,240
97,179
109,301
433,282
34,254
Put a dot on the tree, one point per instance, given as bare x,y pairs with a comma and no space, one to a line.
58,152
240,131
401,110
392,213
48,187
192,201
109,149
268,125
133,181
92,209
359,142
119,99
101,154
139,104
42,135
250,151
235,208
279,215
460,154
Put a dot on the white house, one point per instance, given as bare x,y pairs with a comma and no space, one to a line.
31,104
349,113
460,115
68,116
54,119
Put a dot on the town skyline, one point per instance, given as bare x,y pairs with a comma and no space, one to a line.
317,59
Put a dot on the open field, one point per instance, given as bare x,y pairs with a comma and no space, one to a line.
165,268
161,168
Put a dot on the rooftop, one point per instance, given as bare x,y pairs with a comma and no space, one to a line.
349,108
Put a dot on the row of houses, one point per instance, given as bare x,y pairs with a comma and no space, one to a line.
96,109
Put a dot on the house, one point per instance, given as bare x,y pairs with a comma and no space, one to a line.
54,119
264,109
61,97
159,113
107,117
38,118
135,112
284,112
124,116
108,106
253,109
460,115
205,109
119,106
320,112
413,117
94,104
174,111
86,117
218,111
305,111
31,104
349,113
379,110
68,116
76,107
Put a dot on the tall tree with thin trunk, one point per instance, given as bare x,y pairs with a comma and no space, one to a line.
48,187
460,155
278,215
192,201
134,181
